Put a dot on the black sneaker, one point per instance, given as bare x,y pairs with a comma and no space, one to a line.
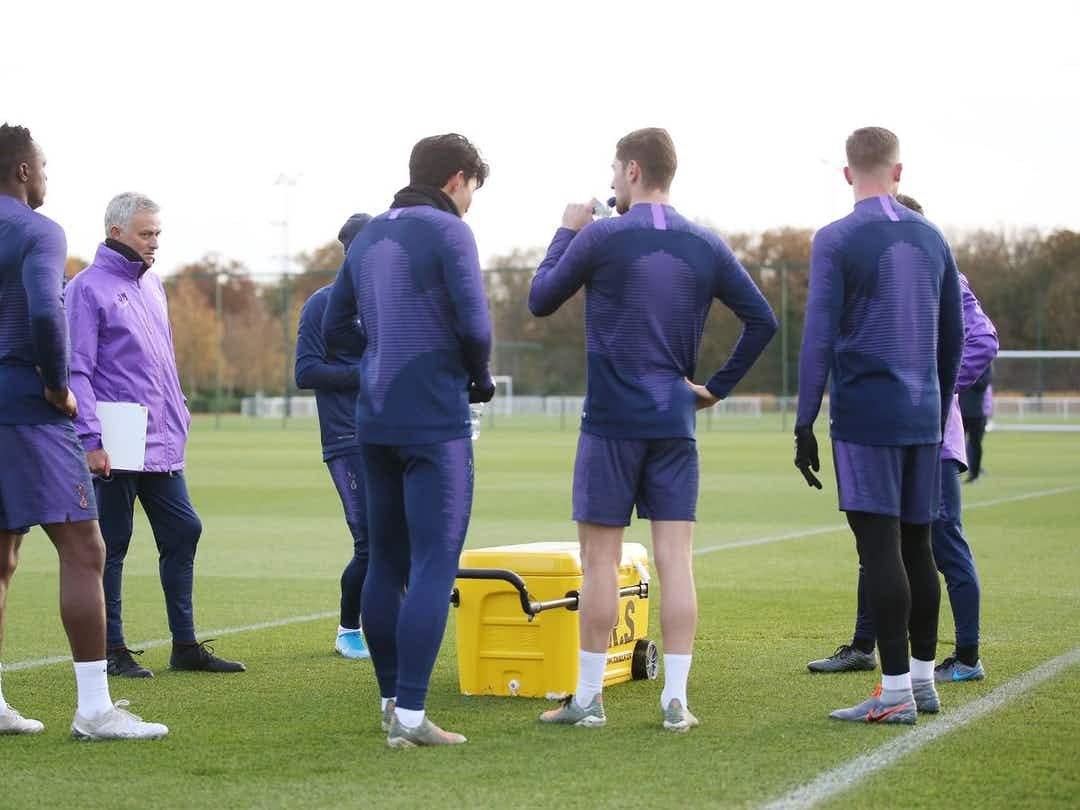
846,658
120,664
199,656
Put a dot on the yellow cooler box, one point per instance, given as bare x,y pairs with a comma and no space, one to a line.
517,623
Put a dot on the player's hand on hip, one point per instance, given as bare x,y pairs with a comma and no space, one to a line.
578,215
98,462
806,454
705,397
63,400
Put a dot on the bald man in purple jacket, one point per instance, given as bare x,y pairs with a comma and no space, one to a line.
121,351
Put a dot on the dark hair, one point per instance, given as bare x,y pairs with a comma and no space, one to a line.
436,159
16,146
872,148
654,152
353,225
909,202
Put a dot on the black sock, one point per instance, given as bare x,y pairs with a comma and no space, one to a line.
968,655
863,645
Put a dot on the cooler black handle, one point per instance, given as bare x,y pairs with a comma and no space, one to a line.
529,606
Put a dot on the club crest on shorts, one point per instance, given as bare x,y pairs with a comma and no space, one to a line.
84,501
352,479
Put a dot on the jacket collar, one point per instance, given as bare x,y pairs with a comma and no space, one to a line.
115,262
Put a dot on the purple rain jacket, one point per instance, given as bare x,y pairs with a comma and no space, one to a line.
980,348
122,351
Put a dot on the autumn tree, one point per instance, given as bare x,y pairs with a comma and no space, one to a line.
196,336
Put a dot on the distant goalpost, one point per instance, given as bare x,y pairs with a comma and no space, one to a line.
1041,412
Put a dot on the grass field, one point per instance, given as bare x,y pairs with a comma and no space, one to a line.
300,728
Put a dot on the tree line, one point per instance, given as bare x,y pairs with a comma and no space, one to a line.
230,328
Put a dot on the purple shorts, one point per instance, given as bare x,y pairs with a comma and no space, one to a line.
660,476
43,477
903,482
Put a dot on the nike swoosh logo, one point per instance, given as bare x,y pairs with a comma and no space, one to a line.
877,717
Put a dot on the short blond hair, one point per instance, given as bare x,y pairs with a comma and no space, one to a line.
872,148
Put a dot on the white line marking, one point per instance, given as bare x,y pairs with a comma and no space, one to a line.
1025,497
776,538
161,642
854,771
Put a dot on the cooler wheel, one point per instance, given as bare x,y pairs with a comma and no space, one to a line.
646,661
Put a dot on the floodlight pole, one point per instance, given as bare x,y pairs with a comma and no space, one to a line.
286,182
219,280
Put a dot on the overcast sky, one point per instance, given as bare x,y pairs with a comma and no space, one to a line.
205,105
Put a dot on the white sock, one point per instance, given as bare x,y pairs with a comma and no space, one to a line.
93,686
590,679
384,701
676,673
3,705
341,629
922,670
894,682
410,718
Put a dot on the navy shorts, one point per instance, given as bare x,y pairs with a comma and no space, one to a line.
660,476
903,482
43,477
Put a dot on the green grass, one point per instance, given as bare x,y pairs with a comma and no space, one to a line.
299,729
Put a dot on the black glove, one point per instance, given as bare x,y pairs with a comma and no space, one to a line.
806,454
481,391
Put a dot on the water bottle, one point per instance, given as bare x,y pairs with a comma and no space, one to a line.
476,413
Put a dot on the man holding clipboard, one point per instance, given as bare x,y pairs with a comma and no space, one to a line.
133,422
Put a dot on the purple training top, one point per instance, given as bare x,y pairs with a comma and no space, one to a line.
884,323
33,332
122,351
650,278
413,277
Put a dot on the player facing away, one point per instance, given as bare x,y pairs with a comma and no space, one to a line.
335,378
650,277
413,277
952,554
884,325
44,480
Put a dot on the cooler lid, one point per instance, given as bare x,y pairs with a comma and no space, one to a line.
550,558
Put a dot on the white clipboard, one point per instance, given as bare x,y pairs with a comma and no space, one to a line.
123,434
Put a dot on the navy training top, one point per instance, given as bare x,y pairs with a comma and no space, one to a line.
884,322
413,277
334,377
650,277
33,327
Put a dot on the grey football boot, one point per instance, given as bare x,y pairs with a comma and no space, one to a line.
884,706
846,658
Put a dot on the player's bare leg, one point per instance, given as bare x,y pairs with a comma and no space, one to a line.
673,553
598,613
82,610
